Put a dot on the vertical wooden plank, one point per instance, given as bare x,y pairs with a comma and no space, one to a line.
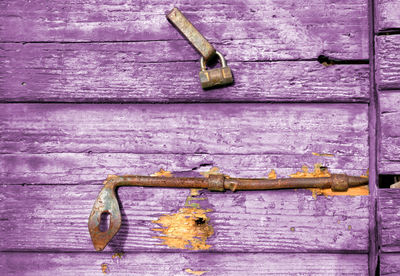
373,142
387,15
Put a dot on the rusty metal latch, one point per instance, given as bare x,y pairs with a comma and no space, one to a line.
208,78
187,29
107,202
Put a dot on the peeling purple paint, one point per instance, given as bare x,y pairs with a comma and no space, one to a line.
129,53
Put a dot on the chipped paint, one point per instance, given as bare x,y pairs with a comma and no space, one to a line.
272,174
213,170
195,272
193,196
104,268
320,171
162,172
187,229
323,154
117,255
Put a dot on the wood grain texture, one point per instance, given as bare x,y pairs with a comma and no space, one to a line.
177,264
284,29
63,143
388,62
55,217
389,219
390,264
387,15
390,132
165,71
179,128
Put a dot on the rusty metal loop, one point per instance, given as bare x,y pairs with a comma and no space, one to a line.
220,57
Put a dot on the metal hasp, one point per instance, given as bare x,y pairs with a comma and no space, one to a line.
217,76
107,202
191,33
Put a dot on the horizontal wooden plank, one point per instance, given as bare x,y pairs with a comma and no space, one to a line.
92,168
282,29
182,264
62,143
55,217
338,129
390,264
388,62
148,72
389,219
387,15
390,132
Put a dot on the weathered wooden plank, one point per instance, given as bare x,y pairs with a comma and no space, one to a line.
388,62
54,217
182,264
338,129
390,264
389,219
390,132
40,142
92,168
387,15
164,71
283,29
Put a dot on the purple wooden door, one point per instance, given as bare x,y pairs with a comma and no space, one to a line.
90,89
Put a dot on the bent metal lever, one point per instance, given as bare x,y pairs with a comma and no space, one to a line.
107,203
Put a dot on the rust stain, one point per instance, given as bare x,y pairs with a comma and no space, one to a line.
162,172
104,268
109,177
187,229
195,272
322,154
320,171
272,174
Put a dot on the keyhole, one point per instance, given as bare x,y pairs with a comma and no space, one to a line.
104,221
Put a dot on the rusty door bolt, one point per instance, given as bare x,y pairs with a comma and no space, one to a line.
106,202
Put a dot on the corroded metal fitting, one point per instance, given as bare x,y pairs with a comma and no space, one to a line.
216,182
107,203
187,29
340,182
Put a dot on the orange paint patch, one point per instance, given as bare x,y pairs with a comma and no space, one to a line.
213,170
272,174
193,197
117,255
162,172
187,229
104,268
320,171
322,154
195,272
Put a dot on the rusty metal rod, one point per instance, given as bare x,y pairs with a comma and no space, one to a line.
107,202
199,42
